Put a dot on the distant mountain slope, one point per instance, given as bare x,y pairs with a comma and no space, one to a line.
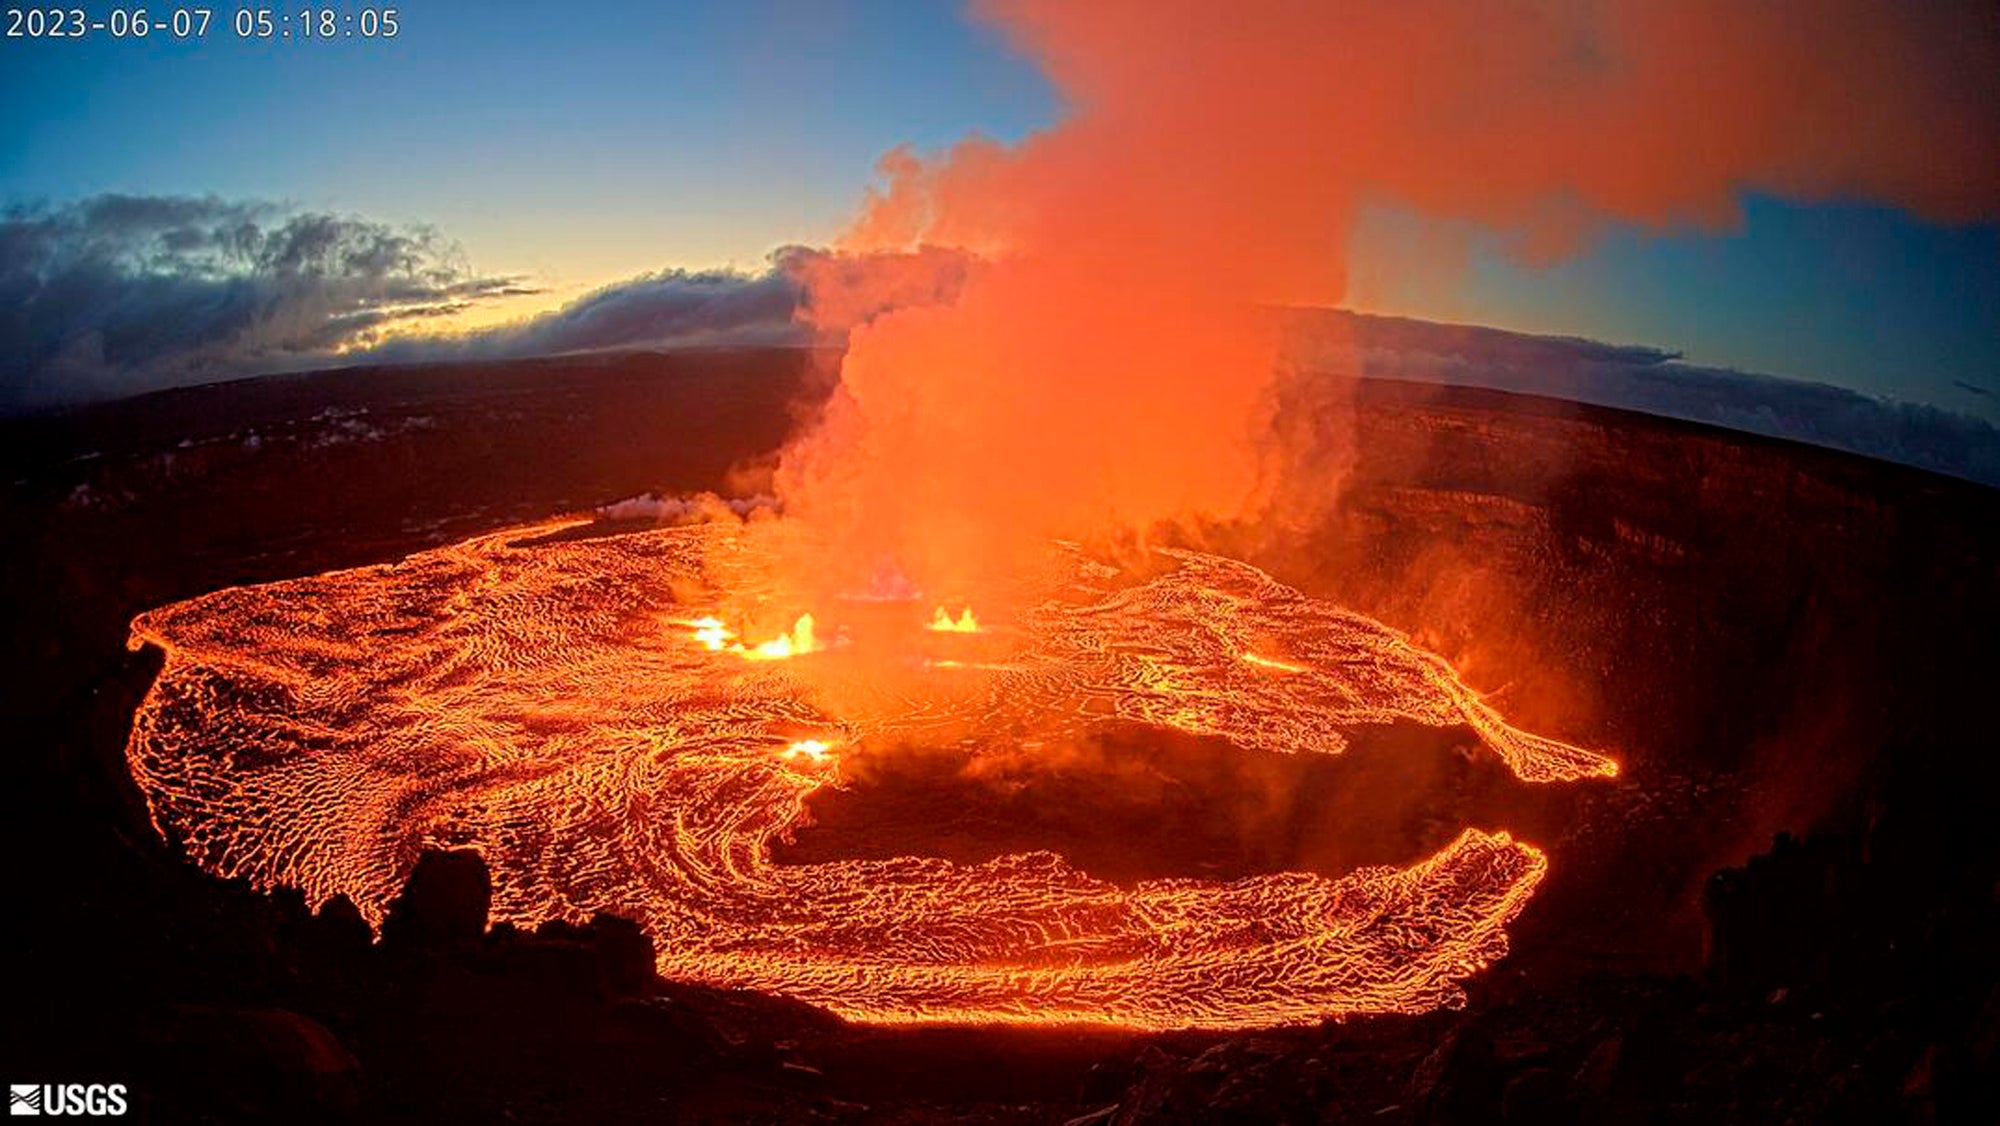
1647,380
1336,342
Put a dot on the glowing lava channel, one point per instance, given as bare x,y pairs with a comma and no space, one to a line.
523,699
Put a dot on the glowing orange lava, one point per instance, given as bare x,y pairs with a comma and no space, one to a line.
819,752
521,697
719,638
1273,663
943,622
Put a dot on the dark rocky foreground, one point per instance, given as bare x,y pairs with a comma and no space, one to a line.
1774,639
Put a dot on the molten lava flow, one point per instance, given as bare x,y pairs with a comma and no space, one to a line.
943,622
718,638
816,751
520,697
799,640
712,634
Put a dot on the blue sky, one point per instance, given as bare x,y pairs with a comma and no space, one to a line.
586,143
593,141
1859,296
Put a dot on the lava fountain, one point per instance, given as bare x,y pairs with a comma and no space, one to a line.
579,711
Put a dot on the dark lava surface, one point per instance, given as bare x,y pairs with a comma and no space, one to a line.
1141,804
1771,638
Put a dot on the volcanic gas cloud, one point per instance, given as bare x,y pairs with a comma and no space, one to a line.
627,723
1104,360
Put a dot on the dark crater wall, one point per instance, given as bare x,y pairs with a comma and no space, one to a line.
1769,636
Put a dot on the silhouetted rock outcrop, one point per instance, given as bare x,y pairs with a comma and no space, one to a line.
625,953
442,909
1768,920
607,957
339,930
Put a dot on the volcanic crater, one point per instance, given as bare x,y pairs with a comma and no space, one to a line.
1765,635
577,711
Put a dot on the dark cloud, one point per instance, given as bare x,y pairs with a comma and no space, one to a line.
672,307
684,308
117,293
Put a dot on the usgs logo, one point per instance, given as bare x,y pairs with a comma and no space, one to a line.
96,1099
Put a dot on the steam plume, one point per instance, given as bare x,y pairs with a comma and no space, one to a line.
1101,365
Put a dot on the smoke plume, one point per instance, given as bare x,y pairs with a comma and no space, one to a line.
1101,363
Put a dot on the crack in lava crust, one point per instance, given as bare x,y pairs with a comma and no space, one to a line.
536,701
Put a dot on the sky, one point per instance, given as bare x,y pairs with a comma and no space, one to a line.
583,145
579,146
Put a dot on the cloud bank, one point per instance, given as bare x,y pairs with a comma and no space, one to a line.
672,307
117,294
805,296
